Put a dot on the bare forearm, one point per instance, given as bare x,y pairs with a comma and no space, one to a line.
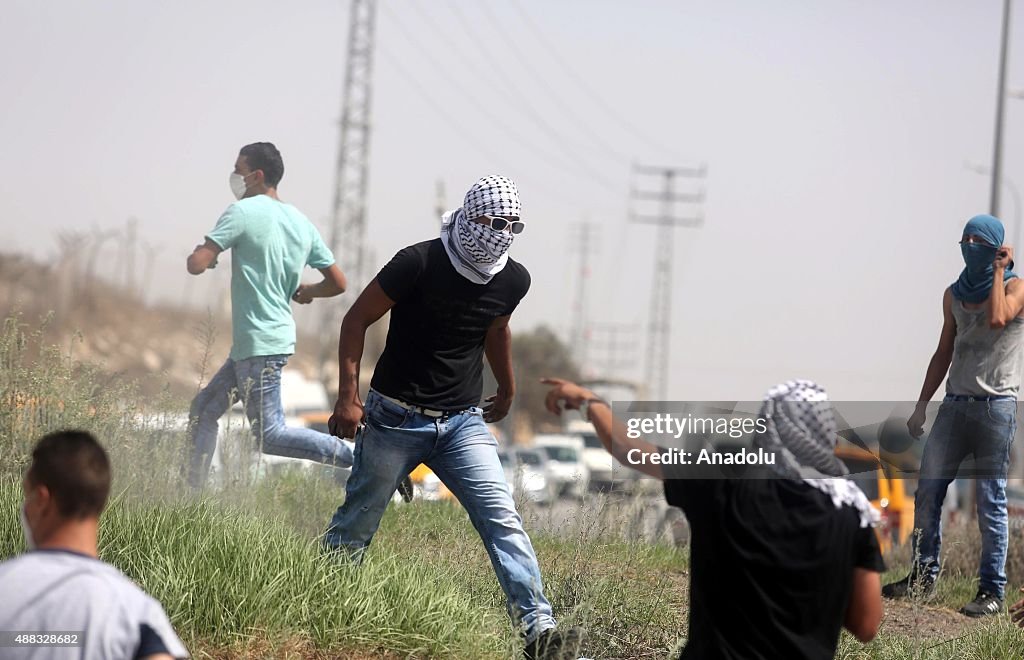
202,258
998,307
324,289
864,610
613,435
937,368
350,354
498,348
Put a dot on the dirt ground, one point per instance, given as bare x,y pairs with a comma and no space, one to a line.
926,622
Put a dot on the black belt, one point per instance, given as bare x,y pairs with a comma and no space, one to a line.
971,397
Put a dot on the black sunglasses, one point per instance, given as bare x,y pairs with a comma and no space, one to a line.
499,223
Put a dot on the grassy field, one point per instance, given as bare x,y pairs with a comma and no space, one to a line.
241,574
234,576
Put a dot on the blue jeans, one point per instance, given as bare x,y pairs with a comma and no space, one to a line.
255,381
984,429
463,454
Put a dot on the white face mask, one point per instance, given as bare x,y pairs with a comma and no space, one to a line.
30,542
237,183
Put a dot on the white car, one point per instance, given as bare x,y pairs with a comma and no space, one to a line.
526,475
566,465
605,474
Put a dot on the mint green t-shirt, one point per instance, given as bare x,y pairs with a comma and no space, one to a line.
271,243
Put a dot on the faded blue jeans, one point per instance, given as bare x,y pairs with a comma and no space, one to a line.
984,429
464,455
255,381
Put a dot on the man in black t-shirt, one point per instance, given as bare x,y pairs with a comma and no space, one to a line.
450,299
779,561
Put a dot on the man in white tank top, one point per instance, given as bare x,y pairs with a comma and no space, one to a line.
980,348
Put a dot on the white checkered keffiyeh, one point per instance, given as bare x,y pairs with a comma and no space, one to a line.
492,195
477,251
801,432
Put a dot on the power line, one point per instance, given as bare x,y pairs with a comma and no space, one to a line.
541,78
521,102
348,211
659,330
459,130
615,345
595,96
522,98
468,96
582,240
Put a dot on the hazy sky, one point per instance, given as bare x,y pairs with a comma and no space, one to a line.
835,133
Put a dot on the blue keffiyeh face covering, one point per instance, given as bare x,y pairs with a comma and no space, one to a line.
477,251
975,281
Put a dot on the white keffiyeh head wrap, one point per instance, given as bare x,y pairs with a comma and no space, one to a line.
477,251
801,431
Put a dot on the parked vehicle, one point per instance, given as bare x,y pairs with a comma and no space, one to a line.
604,474
566,466
526,475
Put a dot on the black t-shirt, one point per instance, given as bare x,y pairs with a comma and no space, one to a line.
771,566
435,346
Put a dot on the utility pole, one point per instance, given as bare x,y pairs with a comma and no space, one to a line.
615,345
151,252
997,150
440,207
128,254
665,218
582,240
348,212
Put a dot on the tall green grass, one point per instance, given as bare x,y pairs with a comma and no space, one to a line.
241,574
223,575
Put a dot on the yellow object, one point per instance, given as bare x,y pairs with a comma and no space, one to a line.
886,492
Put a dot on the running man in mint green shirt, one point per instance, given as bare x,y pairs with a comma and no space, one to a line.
271,243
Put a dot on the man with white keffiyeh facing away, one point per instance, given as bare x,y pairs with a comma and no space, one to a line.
979,355
450,299
780,559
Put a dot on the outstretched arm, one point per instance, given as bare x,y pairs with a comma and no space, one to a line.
613,433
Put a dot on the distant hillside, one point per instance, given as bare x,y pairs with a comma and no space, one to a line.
157,345
163,346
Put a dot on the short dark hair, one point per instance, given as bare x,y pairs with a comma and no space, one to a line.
75,469
264,156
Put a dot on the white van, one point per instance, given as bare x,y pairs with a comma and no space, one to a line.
566,465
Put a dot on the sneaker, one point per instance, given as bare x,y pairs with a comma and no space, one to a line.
984,604
554,644
912,585
405,488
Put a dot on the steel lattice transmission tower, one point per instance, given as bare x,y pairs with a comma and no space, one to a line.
659,322
348,212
